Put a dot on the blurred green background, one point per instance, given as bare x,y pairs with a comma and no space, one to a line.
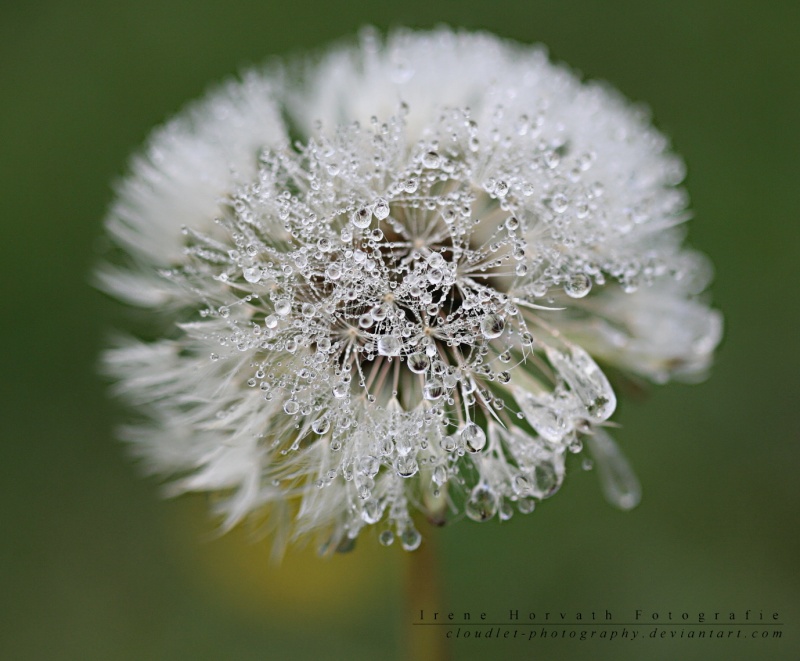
94,565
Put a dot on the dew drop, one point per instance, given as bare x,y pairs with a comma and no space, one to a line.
435,276
482,504
620,485
547,480
431,160
434,389
361,218
586,380
381,210
371,512
449,216
291,407
505,512
544,414
252,274
418,362
406,466
389,345
380,312
521,485
474,437
448,443
560,203
320,425
578,286
410,539
492,325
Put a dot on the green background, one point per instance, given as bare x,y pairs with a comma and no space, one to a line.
94,565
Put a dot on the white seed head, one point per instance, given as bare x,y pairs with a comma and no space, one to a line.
402,310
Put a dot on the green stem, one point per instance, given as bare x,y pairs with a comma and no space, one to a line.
424,593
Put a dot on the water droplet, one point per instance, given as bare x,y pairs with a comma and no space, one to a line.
380,312
418,362
521,485
386,538
320,425
436,261
547,479
504,512
334,271
431,160
448,215
448,443
389,345
474,437
283,306
439,475
501,188
586,380
361,218
620,485
544,414
434,389
492,325
369,465
560,203
252,274
410,539
435,276
371,512
381,210
482,504
406,466
578,285
291,407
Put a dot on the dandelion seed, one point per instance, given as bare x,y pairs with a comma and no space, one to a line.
387,311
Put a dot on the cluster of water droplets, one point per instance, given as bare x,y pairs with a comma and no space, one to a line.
392,305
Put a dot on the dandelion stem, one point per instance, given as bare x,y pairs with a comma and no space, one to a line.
424,593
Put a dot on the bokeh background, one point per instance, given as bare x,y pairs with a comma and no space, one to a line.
94,565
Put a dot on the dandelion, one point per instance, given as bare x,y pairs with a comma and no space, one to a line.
387,280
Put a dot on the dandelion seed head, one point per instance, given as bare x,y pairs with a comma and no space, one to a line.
403,310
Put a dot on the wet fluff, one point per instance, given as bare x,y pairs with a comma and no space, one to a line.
387,282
